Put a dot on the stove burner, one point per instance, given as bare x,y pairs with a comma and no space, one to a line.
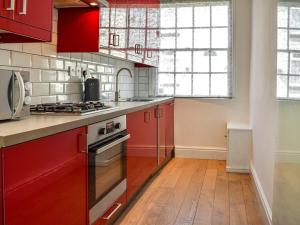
71,108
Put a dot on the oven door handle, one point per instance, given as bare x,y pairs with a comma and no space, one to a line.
110,145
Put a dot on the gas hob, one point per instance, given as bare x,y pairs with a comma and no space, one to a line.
82,108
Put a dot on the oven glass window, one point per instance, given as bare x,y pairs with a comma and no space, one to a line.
109,170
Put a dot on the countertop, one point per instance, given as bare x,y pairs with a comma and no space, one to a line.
38,126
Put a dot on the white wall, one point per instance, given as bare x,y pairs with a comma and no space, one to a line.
263,95
200,124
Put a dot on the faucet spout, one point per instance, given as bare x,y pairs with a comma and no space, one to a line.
117,92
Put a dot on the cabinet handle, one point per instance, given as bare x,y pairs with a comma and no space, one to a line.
24,8
118,205
147,117
12,5
82,143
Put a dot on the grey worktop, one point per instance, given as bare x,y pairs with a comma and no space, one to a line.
37,126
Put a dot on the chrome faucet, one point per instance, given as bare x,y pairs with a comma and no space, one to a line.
117,92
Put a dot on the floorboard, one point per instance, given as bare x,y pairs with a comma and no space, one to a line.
196,192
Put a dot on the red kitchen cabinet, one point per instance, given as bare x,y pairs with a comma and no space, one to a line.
45,180
25,21
162,124
141,148
170,129
1,190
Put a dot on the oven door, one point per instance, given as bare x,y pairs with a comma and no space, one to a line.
107,173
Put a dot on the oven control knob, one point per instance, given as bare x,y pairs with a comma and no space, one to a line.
101,131
118,126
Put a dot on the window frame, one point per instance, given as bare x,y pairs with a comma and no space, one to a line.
229,50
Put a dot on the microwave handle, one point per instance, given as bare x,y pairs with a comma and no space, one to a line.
22,95
110,145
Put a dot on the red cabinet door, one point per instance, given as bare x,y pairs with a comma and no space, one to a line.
141,148
169,129
162,123
45,180
7,8
35,13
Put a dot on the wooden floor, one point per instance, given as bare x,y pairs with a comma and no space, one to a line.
199,192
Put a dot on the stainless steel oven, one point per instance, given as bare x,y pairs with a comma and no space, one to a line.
107,165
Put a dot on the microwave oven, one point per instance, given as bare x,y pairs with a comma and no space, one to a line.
15,90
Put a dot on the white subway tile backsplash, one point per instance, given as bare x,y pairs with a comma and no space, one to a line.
36,100
5,58
63,98
48,99
32,48
49,76
76,56
40,62
35,75
62,76
56,88
86,57
49,50
72,88
21,59
100,69
40,89
56,64
76,98
12,47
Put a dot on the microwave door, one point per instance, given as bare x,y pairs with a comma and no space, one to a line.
6,94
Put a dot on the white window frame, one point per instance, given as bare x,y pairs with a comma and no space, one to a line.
230,72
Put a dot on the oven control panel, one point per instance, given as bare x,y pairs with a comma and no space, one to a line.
104,129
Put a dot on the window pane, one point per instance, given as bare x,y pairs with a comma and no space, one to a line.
137,17
153,18
220,15
294,87
219,85
219,61
165,84
183,61
167,17
201,61
167,39
184,17
183,84
103,37
118,17
201,85
295,63
295,39
282,63
219,38
136,36
202,38
153,39
295,17
166,61
282,19
282,86
282,39
184,38
202,16
104,17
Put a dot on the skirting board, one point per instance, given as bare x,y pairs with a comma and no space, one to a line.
237,170
200,152
262,196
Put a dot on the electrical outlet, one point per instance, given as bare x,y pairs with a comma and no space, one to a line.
78,71
72,71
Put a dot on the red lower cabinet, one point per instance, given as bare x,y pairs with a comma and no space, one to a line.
45,180
141,148
170,129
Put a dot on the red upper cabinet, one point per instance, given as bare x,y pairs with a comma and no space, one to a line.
34,13
78,30
25,20
45,180
141,152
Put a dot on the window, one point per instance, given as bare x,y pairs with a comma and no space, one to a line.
288,54
195,50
